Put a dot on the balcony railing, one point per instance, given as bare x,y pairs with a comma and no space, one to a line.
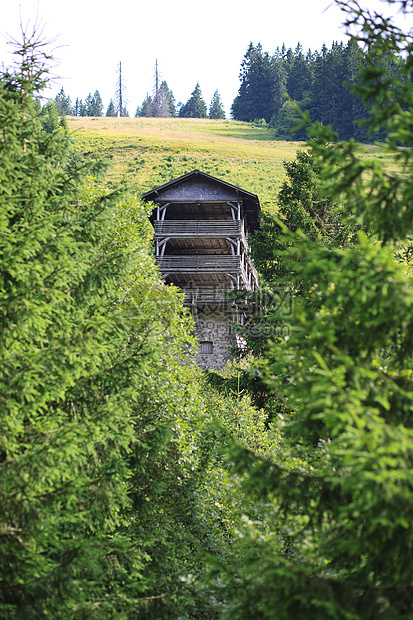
199,264
193,228
210,298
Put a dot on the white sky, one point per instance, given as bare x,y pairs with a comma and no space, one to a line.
192,42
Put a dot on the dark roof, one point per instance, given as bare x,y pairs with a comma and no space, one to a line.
169,192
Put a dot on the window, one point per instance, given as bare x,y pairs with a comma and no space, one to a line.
205,347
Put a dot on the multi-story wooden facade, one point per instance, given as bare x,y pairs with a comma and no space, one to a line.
201,227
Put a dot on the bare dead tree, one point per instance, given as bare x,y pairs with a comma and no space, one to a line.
120,99
161,101
156,78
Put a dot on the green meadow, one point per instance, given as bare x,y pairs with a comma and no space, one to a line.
146,152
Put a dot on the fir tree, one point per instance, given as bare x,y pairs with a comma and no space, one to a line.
87,446
49,117
63,103
146,109
164,104
82,108
111,109
336,539
195,107
216,108
262,86
94,104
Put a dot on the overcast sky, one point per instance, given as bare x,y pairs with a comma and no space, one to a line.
192,42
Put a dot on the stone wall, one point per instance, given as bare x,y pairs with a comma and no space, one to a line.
215,336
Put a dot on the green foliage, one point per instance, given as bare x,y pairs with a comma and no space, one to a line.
262,88
305,206
146,152
101,421
94,104
111,109
302,208
146,108
323,82
63,103
287,125
195,107
216,109
340,486
49,117
161,105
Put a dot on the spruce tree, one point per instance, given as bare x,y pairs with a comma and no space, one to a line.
167,100
195,107
89,452
94,104
299,79
111,109
49,117
262,88
216,109
333,538
63,103
82,108
88,105
146,109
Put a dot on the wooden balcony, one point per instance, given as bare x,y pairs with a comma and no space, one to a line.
199,264
198,228
207,298
239,269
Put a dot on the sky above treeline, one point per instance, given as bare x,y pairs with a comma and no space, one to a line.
192,42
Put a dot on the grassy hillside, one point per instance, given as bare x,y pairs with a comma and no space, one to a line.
146,152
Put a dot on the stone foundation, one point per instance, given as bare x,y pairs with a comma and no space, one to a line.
215,336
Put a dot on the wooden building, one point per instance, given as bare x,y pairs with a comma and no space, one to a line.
201,227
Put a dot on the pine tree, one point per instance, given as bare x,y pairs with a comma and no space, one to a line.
82,108
278,82
262,89
146,109
299,79
94,104
63,103
49,117
195,107
88,105
163,102
317,82
88,454
335,503
111,109
321,96
216,109
166,101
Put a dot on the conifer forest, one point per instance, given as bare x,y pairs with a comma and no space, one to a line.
133,484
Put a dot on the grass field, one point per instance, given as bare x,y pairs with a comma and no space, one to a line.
146,152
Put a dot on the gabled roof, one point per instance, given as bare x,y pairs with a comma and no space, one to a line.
199,186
